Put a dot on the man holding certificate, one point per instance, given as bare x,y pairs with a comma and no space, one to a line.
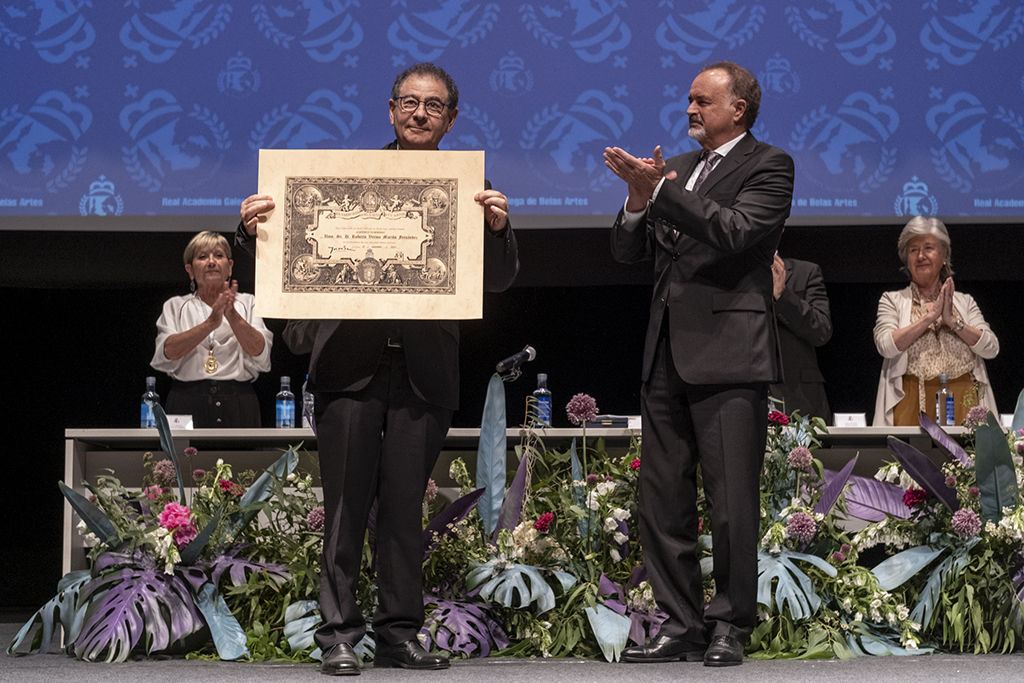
385,393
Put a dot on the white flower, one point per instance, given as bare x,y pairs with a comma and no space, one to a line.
902,611
858,617
610,525
620,538
847,604
291,477
592,500
616,557
220,462
911,644
604,488
621,514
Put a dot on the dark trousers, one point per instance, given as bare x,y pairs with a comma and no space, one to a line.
378,443
722,428
215,403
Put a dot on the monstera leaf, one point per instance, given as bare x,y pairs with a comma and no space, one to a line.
300,624
64,608
463,627
137,603
611,630
792,586
503,586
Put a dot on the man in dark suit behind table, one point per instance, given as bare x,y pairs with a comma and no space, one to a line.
385,392
801,307
712,226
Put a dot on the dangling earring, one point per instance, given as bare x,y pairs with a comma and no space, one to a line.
192,285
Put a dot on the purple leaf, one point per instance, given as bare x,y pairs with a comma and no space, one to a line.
239,567
138,603
927,474
441,525
464,627
834,487
512,506
943,439
645,625
873,500
637,576
606,586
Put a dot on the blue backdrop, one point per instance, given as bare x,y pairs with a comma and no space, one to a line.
156,107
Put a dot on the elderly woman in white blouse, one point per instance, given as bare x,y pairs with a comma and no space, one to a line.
930,329
211,342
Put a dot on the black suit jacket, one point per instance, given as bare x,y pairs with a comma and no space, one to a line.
345,353
712,252
804,324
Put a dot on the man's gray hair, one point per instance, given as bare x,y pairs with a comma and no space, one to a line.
744,87
428,69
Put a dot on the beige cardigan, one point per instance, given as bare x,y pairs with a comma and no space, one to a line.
894,314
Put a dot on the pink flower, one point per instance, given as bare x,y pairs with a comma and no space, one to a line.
544,521
153,492
431,492
914,496
974,492
838,557
802,527
800,458
581,409
635,465
315,519
198,474
951,482
177,518
966,523
191,451
230,487
778,418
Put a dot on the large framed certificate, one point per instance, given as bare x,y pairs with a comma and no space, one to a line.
371,234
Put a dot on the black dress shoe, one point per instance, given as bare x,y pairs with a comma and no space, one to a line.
340,660
724,651
407,655
664,649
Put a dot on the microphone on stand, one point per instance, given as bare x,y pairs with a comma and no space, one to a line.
513,362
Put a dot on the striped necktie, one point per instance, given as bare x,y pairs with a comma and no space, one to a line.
710,161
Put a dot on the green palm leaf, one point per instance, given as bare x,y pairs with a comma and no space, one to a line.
993,466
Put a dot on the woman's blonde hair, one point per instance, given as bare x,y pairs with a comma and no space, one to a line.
919,226
205,240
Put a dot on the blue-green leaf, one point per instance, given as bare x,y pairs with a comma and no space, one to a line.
1018,413
190,553
936,584
300,624
94,518
167,444
519,580
490,455
579,491
792,586
611,630
227,633
893,572
993,466
62,608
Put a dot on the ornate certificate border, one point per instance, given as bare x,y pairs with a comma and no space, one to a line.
370,234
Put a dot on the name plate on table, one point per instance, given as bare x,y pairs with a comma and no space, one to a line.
179,421
849,420
361,234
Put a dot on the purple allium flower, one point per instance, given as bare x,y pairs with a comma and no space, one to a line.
431,492
198,474
163,473
592,479
191,451
609,477
544,521
976,416
635,465
974,492
845,548
966,523
1020,447
315,519
838,557
951,482
802,527
800,458
581,409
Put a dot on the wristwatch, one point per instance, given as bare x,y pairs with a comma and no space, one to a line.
959,324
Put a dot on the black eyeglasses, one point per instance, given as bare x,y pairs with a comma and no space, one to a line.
411,103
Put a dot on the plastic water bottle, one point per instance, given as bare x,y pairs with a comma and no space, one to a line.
307,405
542,408
944,408
149,399
286,404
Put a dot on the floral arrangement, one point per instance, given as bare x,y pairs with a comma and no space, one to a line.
546,560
